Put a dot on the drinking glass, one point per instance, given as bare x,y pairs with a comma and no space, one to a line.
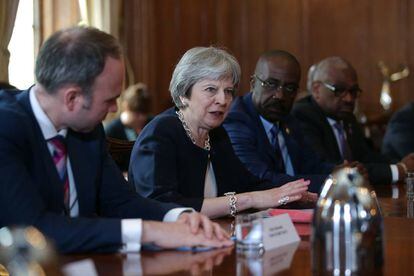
249,233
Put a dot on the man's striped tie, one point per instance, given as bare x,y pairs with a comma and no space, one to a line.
59,158
343,144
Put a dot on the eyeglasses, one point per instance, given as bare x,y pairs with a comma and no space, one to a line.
275,84
340,90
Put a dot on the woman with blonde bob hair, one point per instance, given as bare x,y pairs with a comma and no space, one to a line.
184,154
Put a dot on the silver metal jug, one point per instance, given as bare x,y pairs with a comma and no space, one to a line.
23,251
347,227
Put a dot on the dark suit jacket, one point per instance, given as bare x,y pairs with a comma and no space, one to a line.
167,166
252,146
320,134
32,194
399,137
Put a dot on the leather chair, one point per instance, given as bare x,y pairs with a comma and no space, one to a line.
120,150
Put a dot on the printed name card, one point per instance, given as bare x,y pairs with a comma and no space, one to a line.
277,260
272,262
81,267
278,231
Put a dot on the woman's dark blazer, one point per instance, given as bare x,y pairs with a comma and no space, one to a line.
165,164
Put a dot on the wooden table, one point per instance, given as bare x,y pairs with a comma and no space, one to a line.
398,250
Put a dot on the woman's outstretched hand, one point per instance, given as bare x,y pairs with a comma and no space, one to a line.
289,192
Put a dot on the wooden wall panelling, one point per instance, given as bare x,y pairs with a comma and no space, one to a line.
242,32
284,26
361,31
387,43
242,28
285,29
406,33
136,37
208,22
145,43
306,60
166,47
255,38
149,73
343,28
409,34
230,22
131,35
192,22
402,56
56,15
228,25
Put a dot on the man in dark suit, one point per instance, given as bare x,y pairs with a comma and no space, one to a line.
56,173
399,137
263,134
327,120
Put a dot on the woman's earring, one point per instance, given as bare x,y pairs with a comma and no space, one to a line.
183,101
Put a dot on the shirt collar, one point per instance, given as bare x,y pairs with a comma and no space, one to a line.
267,125
48,129
332,122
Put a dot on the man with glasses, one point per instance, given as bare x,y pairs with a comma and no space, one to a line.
328,122
264,136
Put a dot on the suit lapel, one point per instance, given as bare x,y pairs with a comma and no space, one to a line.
52,182
349,131
291,145
331,142
262,136
83,162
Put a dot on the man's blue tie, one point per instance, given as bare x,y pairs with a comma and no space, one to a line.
343,144
274,140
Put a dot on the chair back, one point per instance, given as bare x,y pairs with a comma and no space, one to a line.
120,151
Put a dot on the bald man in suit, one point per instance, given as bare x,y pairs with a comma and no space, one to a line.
328,122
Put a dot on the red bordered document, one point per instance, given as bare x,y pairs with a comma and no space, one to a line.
301,219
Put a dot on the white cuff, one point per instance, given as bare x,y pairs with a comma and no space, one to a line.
131,265
394,173
173,214
131,230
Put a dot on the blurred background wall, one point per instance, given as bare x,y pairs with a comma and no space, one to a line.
155,33
158,32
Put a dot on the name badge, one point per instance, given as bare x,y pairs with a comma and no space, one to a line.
279,259
279,231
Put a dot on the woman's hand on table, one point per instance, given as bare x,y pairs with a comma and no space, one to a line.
289,192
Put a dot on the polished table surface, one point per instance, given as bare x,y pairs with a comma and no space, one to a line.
398,252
